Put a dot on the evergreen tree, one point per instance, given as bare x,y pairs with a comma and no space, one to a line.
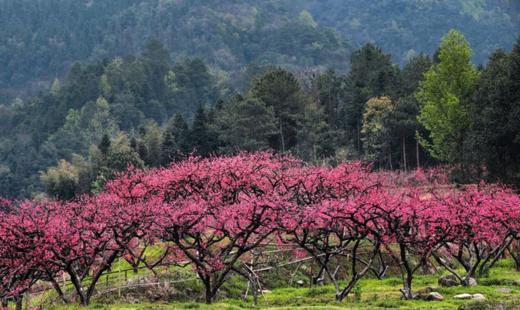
200,138
331,93
494,135
403,128
280,90
149,144
178,129
413,73
169,148
315,138
104,145
372,74
245,124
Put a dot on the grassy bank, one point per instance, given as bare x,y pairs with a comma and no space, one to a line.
498,288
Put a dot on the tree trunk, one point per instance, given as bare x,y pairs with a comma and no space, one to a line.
514,251
417,153
407,288
404,154
358,138
356,276
77,286
19,302
407,274
282,139
341,296
254,291
209,296
97,276
59,291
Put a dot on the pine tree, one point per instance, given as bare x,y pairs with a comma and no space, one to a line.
494,135
280,90
104,145
372,74
200,138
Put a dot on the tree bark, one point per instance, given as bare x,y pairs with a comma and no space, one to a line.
407,287
404,154
282,139
514,251
19,302
209,295
417,153
99,273
58,290
407,274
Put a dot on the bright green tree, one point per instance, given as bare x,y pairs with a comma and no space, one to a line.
442,97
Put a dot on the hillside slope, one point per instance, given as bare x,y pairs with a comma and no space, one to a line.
40,39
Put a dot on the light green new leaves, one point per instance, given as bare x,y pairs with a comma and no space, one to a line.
442,94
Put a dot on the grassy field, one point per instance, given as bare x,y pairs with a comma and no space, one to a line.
498,288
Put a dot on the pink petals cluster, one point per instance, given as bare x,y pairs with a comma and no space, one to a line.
212,213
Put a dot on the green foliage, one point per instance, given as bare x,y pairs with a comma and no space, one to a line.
245,124
315,139
201,138
146,110
372,75
442,96
408,27
374,130
494,134
40,39
280,90
61,181
149,144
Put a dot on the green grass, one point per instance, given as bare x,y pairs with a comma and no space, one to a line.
370,294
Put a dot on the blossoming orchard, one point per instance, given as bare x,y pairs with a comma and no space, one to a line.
215,214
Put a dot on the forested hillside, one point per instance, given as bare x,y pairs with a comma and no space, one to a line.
404,27
91,87
40,39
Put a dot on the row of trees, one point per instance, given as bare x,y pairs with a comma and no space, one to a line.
212,214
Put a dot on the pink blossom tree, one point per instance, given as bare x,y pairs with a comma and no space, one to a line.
20,253
220,209
480,222
333,215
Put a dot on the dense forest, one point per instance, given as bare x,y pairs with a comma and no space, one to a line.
41,39
147,111
88,88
